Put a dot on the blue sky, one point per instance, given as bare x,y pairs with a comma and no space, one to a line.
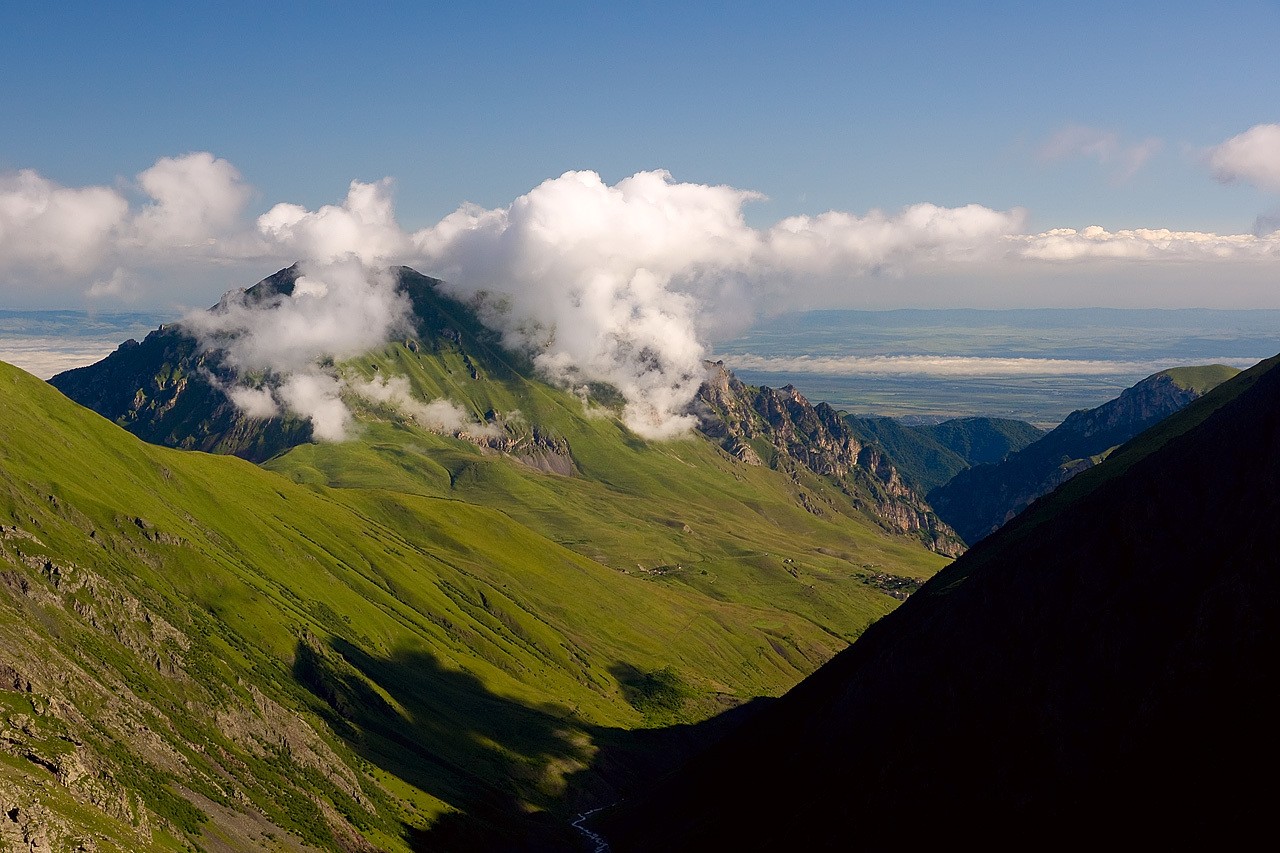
1088,114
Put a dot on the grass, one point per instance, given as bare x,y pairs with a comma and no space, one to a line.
403,627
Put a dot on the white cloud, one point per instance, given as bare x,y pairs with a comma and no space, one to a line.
317,396
602,283
1104,146
195,199
618,283
44,224
1143,244
364,225
120,285
953,366
442,416
1252,157
848,245
336,311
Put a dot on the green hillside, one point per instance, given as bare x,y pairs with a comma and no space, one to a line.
930,455
197,651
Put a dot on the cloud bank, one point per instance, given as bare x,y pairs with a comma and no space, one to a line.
955,366
621,284
1143,244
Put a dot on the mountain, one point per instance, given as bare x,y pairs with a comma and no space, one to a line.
168,390
416,639
978,500
1100,670
929,455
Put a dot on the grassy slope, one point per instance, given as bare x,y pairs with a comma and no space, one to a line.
929,456
468,654
1202,378
707,522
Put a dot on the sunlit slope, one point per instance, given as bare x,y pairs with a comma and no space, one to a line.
682,514
196,649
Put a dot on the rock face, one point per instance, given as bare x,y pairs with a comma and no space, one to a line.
979,500
166,390
783,429
533,446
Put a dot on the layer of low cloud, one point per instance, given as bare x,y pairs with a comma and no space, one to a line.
954,366
1143,244
1123,158
440,415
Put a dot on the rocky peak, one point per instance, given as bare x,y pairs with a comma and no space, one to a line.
745,420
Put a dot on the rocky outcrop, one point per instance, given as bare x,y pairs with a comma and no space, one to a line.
754,423
533,447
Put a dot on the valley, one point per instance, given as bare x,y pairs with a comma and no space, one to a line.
416,637
435,634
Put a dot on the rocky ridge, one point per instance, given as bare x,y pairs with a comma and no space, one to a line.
981,499
781,428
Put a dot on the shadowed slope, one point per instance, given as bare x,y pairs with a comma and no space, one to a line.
1103,667
978,500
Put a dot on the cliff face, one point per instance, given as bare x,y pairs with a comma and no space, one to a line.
789,431
979,500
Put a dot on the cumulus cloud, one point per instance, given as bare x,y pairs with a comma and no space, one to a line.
600,282
364,225
1252,157
195,199
1143,244
44,224
617,283
47,230
1104,146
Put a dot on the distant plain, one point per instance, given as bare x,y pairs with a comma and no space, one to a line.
1037,365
